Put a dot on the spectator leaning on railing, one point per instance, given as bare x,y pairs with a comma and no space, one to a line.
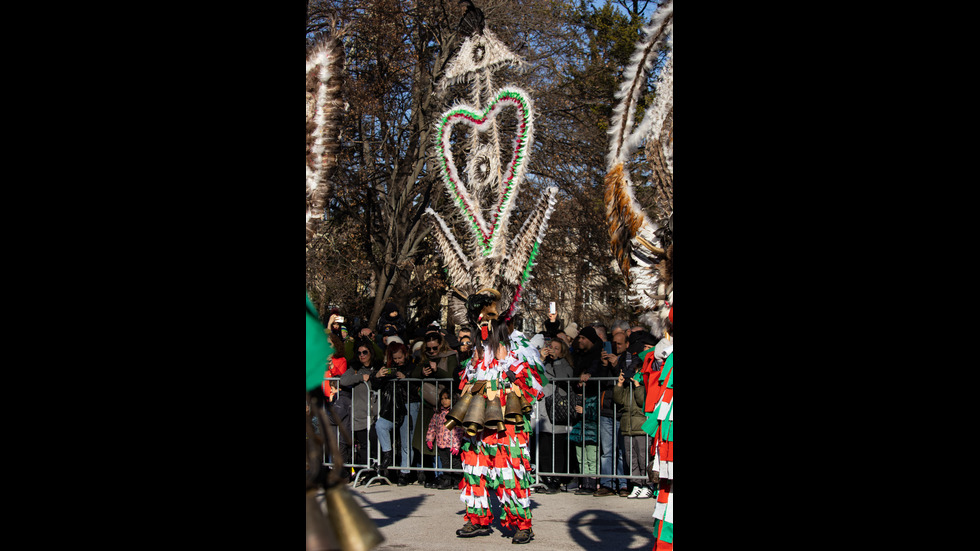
633,417
355,380
553,438
393,403
438,361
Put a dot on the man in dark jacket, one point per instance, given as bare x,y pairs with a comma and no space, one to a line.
587,355
587,364
610,437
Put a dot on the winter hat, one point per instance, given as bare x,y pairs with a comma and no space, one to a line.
389,330
572,330
389,307
589,333
394,338
639,339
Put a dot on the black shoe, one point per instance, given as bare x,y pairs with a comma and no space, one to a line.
584,491
523,536
445,484
470,530
433,484
403,479
603,492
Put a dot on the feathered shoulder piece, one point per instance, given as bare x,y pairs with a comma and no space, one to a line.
324,106
488,262
642,243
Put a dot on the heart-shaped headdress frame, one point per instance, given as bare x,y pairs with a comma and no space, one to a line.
489,237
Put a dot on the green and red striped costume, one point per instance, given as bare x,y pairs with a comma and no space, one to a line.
660,425
499,461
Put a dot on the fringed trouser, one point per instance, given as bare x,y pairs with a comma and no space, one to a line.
497,461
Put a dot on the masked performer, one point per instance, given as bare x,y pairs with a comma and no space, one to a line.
502,380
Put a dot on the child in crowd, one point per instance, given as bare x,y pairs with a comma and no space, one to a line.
448,442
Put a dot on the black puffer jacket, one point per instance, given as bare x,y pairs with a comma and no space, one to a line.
394,395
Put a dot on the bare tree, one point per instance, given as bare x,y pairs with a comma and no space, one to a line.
374,245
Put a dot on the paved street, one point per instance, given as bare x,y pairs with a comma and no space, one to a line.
412,517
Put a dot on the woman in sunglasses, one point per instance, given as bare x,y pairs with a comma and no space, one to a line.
393,407
356,380
437,361
351,344
465,344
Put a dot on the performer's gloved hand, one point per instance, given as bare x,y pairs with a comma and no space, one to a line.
511,376
429,443
455,451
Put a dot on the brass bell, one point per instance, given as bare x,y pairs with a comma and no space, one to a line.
512,413
494,416
473,423
526,406
458,412
319,533
354,529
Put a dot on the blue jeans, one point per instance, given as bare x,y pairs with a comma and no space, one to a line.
383,428
608,429
407,431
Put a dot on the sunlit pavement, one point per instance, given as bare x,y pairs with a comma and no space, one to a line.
413,517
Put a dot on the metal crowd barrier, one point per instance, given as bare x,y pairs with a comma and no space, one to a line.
590,389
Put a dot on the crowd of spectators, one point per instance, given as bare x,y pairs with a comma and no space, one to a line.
587,430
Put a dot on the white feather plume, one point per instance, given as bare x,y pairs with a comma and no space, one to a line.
324,68
660,27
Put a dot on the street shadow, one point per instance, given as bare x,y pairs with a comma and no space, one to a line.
393,510
594,528
590,529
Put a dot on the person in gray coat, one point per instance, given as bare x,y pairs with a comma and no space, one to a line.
357,382
552,438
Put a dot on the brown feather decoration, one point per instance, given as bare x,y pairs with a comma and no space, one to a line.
625,219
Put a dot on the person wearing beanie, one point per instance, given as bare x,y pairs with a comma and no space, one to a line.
392,320
587,363
591,334
611,443
572,330
639,339
390,339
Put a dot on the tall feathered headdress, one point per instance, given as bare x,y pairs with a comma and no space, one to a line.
489,277
324,106
642,244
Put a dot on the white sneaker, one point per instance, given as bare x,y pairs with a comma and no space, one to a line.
645,493
636,492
